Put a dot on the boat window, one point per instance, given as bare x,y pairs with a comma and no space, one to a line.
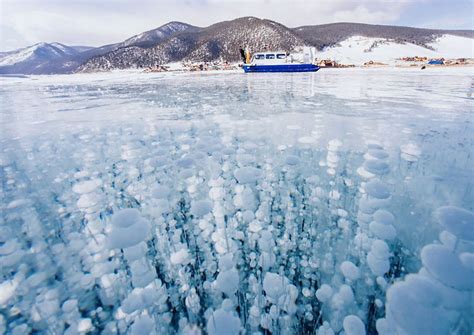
281,56
259,56
270,56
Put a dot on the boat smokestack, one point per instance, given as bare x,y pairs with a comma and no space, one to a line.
247,56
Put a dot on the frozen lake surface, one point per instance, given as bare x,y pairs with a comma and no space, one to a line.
338,201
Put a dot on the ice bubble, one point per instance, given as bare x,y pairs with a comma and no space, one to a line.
377,189
161,192
292,160
245,200
325,329
366,206
374,145
143,324
135,252
410,152
377,258
247,174
346,294
342,298
9,247
185,163
245,159
306,140
445,266
88,200
81,174
266,242
293,127
350,271
383,327
275,285
334,194
36,279
334,145
84,325
226,262
125,217
139,298
324,293
413,304
180,257
353,325
332,158
451,298
86,186
378,153
223,322
216,193
129,236
342,213
384,216
201,207
228,281
69,306
248,216
383,231
376,167
17,203
457,221
380,249
186,173
306,292
12,258
448,239
227,305
162,206
364,173
7,291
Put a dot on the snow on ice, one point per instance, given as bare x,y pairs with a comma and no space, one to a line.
339,202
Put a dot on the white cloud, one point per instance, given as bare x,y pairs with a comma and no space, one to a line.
89,22
362,14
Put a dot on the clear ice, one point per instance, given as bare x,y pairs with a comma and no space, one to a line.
338,202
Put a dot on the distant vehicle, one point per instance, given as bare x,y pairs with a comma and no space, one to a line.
436,62
278,61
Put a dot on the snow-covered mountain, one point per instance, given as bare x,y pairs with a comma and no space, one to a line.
223,40
349,43
325,35
358,50
219,41
39,58
153,37
46,58
37,53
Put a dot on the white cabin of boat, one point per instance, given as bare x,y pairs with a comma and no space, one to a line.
271,58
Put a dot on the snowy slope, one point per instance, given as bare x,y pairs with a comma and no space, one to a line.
37,52
359,49
152,37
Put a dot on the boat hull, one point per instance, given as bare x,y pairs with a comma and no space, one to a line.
281,68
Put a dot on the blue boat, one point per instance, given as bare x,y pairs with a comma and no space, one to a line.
277,62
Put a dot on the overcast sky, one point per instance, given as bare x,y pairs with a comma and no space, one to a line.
99,22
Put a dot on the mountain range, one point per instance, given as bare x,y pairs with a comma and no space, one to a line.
177,41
